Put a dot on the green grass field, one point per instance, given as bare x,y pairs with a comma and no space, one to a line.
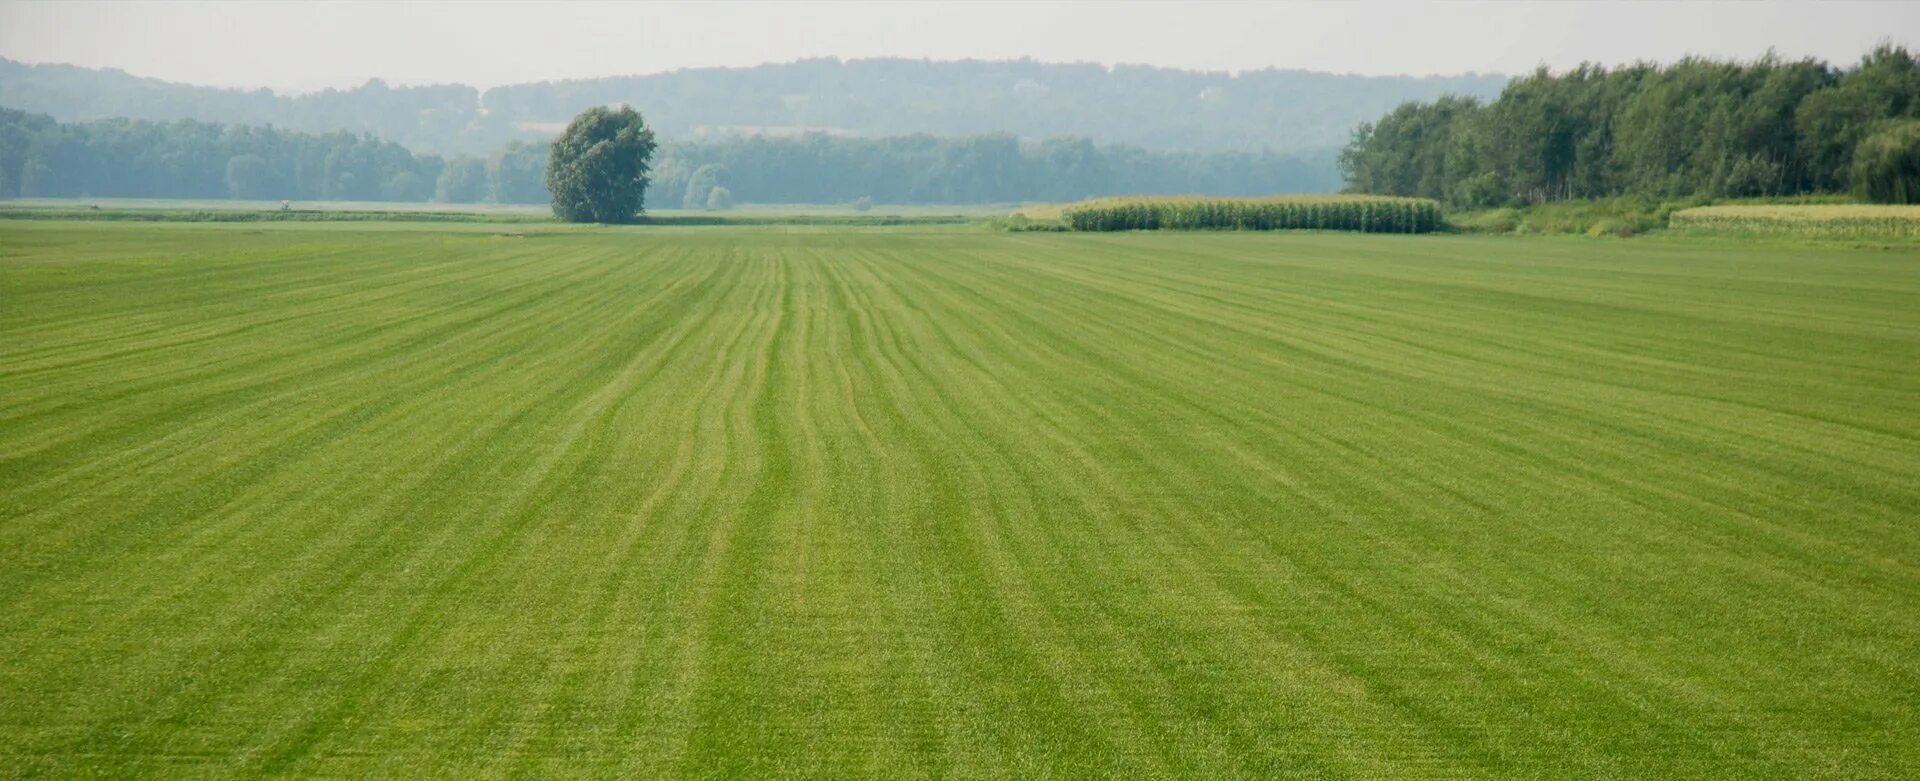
429,500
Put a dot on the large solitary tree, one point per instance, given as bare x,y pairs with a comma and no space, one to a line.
597,171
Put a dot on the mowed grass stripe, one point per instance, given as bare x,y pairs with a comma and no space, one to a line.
331,573
977,477
1495,372
1703,416
1089,636
1211,558
1114,319
429,359
205,375
574,438
755,502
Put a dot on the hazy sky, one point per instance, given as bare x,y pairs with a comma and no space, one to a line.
313,45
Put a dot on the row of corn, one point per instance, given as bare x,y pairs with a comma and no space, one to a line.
1812,220
1365,213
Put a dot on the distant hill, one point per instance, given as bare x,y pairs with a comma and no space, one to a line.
1156,108
439,118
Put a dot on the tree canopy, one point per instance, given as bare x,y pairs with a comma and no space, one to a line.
597,169
1886,165
1697,127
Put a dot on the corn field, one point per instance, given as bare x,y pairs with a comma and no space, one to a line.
1364,213
1801,220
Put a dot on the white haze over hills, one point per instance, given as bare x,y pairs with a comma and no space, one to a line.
1154,108
305,47
1290,78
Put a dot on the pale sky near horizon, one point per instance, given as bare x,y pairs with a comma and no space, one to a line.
308,46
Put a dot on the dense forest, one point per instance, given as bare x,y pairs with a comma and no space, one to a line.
818,168
1153,108
188,159
40,157
1697,127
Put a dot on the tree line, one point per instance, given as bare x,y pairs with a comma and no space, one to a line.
40,157
819,168
1697,127
187,159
